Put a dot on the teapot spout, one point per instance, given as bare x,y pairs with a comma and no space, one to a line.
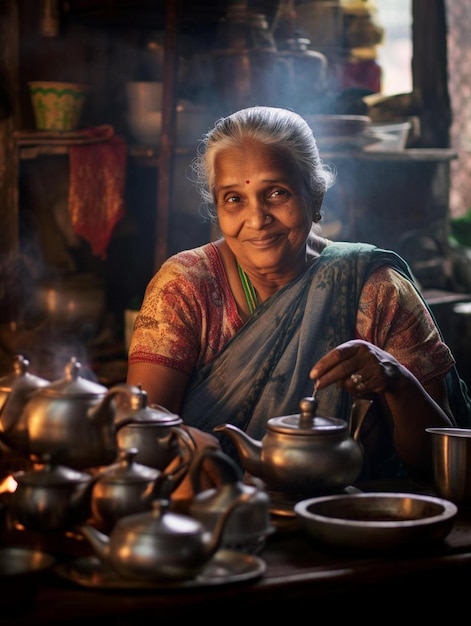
99,542
248,449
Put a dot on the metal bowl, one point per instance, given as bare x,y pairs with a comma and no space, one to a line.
20,574
376,521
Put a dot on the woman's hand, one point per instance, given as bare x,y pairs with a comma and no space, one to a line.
362,368
358,367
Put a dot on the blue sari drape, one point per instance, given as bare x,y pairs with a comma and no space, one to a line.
263,371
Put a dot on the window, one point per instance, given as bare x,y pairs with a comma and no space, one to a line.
395,52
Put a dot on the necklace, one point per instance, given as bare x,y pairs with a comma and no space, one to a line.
249,291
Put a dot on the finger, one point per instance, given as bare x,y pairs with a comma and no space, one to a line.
335,357
328,371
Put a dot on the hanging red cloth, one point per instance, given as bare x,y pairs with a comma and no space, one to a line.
96,189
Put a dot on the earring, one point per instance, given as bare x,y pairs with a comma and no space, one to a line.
317,216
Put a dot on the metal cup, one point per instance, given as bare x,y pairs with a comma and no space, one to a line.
451,453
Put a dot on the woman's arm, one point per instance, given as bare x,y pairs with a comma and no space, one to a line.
412,406
163,385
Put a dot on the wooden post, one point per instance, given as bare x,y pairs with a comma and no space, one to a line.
167,144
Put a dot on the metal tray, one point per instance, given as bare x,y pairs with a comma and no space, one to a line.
227,566
19,561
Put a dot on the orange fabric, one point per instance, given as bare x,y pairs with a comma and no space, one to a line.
96,190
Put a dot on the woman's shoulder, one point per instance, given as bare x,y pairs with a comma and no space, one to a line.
194,264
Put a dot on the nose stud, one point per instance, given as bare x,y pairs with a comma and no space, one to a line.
267,218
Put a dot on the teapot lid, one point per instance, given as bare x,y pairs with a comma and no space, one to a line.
51,475
307,422
160,521
21,377
126,470
148,414
73,384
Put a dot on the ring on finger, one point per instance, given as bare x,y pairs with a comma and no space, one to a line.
357,380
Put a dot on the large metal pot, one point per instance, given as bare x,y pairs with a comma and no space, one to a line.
73,419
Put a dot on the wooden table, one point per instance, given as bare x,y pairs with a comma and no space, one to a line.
301,579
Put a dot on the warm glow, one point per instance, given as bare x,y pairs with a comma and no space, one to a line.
8,485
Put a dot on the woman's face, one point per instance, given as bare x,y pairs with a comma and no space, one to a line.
253,182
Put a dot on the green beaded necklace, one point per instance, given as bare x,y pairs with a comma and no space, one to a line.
249,291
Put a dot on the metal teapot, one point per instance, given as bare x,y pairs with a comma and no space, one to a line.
73,419
149,429
121,489
16,390
158,544
50,497
249,524
303,454
127,487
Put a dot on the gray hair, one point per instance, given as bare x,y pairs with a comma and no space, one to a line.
285,131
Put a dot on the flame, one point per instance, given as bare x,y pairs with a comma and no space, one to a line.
8,485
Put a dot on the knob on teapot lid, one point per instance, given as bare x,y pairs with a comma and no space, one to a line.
21,377
51,474
307,422
126,470
73,384
145,413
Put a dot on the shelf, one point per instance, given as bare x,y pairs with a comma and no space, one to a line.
408,155
149,156
145,155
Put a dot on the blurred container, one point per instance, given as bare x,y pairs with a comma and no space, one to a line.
57,106
339,131
451,453
144,96
192,121
73,302
245,58
389,137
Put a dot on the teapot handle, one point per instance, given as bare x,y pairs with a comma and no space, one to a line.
359,411
229,471
169,479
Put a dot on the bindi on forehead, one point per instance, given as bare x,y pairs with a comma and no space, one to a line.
247,182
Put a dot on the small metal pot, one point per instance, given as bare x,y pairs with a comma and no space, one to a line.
249,524
50,498
149,429
121,489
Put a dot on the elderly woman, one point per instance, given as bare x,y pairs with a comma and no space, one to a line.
240,329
